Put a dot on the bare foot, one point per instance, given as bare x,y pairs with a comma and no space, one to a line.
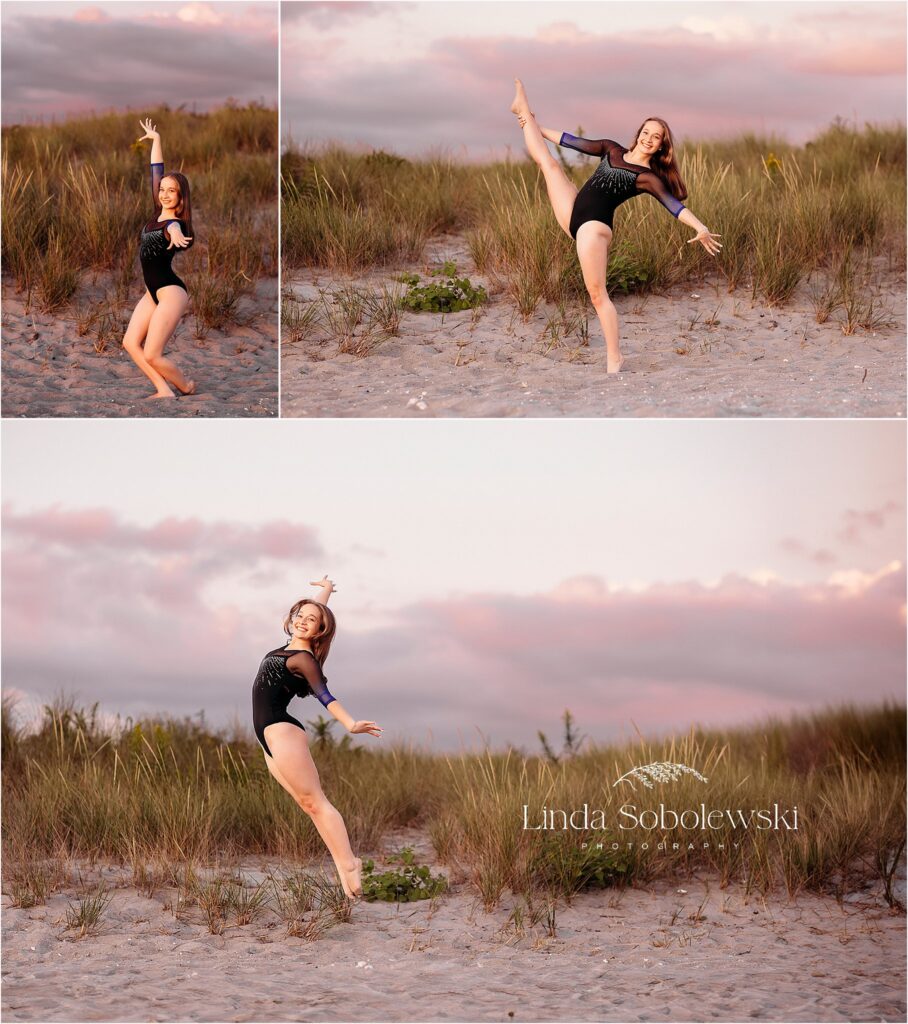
163,394
614,365
352,880
189,389
521,104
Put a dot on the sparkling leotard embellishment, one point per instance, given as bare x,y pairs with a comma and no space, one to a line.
615,180
152,246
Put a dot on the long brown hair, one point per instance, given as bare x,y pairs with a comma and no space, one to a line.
321,642
184,207
663,160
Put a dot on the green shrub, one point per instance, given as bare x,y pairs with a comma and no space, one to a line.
449,295
411,883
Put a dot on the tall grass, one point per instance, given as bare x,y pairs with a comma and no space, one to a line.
76,194
784,213
171,791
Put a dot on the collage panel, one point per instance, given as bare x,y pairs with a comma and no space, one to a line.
140,220
636,735
710,201
585,704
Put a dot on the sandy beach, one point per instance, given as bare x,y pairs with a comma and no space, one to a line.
698,351
687,951
48,370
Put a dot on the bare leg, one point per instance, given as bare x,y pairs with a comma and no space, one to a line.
172,304
294,769
132,342
562,191
593,240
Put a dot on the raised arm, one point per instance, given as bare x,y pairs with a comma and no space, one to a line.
306,667
157,157
547,133
326,588
592,147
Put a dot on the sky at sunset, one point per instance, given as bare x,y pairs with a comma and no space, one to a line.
410,77
62,58
490,574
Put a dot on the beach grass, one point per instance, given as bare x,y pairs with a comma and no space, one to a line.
787,214
164,795
76,194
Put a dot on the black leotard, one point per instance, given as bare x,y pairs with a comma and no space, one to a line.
613,182
283,675
154,254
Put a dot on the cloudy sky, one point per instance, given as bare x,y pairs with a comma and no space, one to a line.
412,76
62,58
490,574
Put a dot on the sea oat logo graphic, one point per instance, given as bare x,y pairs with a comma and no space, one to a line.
659,771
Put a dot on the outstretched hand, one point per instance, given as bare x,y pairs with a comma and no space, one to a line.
324,583
708,240
151,130
177,238
369,727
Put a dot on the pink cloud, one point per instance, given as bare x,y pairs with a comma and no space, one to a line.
221,542
175,615
178,54
199,14
859,522
328,13
705,85
858,58
91,14
98,583
665,657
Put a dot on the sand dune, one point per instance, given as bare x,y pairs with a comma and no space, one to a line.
672,952
695,352
48,370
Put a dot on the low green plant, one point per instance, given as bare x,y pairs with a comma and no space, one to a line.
568,867
627,274
412,882
449,294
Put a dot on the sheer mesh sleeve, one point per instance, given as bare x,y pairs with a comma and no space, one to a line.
306,667
650,182
157,176
592,147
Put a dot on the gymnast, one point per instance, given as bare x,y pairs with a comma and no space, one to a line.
586,215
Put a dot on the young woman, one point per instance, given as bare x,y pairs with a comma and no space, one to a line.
649,166
296,671
158,312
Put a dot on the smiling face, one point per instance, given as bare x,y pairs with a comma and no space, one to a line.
307,622
169,194
651,137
